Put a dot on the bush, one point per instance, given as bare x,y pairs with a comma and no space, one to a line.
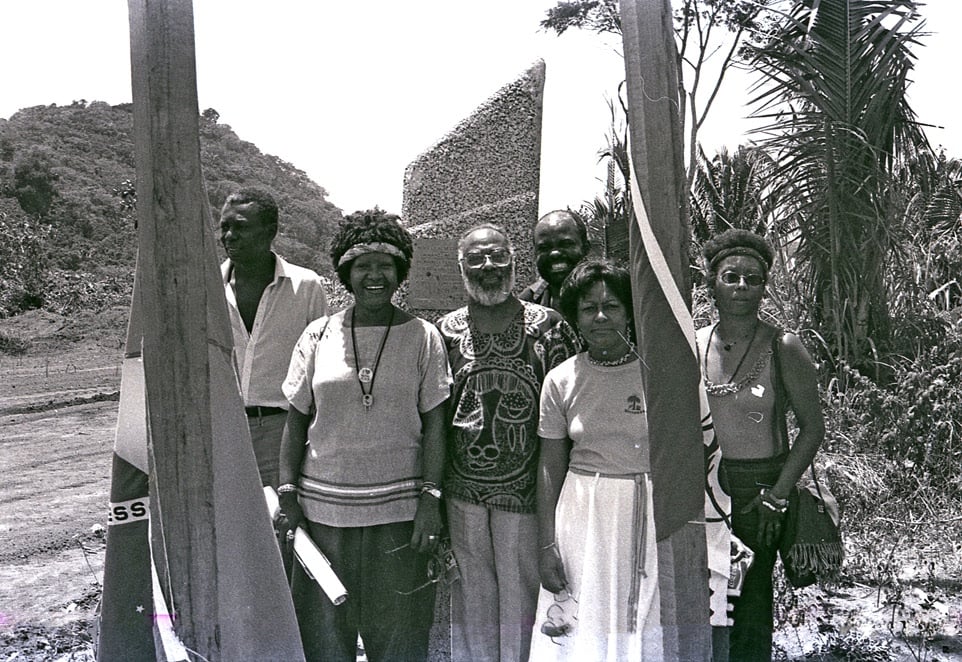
13,345
915,423
71,292
23,264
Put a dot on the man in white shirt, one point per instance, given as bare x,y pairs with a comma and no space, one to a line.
270,302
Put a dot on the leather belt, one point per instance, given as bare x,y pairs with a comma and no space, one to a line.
257,411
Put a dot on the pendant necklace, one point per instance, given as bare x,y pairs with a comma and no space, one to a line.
744,355
365,376
729,387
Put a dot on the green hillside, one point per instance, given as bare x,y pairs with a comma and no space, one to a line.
67,222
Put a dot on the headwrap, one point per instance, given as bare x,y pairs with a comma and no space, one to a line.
373,247
739,250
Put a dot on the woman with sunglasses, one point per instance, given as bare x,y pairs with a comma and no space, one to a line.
598,558
363,453
753,373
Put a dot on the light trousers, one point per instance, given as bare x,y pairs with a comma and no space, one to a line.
493,605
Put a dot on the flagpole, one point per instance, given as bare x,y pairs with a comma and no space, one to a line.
172,212
219,575
658,242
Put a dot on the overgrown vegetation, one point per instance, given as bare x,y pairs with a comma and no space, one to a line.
67,223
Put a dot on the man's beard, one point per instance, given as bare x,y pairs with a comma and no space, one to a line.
489,296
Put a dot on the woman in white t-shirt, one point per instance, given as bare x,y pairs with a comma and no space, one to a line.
363,453
598,562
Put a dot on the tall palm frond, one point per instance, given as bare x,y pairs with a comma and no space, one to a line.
833,98
728,191
933,214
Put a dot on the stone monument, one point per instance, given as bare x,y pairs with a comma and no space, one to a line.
485,170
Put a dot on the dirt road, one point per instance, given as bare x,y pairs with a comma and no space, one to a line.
53,500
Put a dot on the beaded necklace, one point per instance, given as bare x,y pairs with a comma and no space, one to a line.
621,360
732,386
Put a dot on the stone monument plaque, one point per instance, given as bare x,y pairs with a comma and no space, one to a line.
434,281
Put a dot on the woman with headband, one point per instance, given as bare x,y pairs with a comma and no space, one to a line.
598,560
363,453
753,373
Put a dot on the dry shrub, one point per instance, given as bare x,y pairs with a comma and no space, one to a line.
13,345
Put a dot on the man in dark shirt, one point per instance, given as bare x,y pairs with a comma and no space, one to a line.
560,242
499,349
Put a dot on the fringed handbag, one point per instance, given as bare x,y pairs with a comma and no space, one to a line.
811,544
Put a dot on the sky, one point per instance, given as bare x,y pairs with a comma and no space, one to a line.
352,92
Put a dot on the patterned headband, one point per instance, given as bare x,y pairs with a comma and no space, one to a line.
739,250
373,247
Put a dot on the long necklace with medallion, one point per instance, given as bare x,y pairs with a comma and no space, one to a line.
366,376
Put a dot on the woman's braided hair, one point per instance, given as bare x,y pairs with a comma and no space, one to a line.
371,226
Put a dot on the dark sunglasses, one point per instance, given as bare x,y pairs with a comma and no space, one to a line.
733,278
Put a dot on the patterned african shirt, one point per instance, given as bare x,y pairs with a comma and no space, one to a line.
492,457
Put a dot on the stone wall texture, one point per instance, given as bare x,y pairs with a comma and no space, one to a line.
485,170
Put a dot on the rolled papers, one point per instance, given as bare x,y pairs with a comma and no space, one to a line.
310,557
318,567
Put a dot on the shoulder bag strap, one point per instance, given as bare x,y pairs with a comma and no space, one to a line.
779,425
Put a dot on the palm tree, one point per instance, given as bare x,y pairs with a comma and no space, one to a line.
933,215
728,191
832,94
610,215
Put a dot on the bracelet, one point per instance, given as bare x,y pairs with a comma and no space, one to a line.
549,546
774,508
772,502
429,487
287,488
774,499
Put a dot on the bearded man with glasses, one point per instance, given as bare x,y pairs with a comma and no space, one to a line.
500,349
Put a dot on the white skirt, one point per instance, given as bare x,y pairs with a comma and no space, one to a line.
595,534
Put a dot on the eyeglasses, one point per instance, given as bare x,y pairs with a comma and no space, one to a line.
499,257
734,278
442,566
560,616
